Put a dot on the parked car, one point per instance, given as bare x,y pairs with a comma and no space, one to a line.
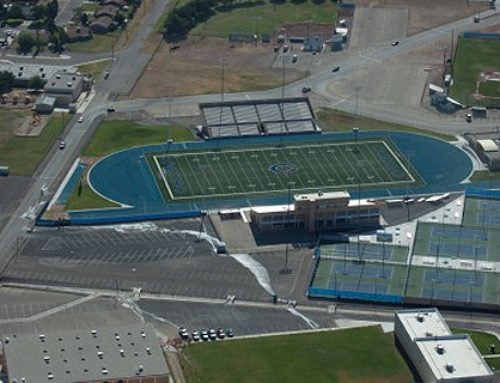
468,117
211,334
394,43
183,333
336,68
195,335
306,89
204,335
229,333
62,145
80,119
477,19
221,333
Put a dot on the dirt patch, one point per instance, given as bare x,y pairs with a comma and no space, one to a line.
195,67
32,125
489,76
427,14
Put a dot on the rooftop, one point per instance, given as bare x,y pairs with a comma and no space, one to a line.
453,357
63,82
84,355
423,323
27,71
321,196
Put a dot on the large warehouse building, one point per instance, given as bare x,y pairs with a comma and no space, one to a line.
436,354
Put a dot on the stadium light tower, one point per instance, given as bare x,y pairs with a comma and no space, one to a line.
285,270
356,151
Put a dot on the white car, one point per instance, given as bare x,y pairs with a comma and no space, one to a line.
80,119
62,145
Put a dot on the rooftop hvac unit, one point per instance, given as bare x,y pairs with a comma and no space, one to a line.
440,349
450,367
420,317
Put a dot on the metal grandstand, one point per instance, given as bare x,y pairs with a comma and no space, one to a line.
257,118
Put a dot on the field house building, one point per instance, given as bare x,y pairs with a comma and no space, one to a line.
436,354
316,212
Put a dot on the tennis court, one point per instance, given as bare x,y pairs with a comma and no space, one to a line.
365,251
457,242
484,212
460,286
260,170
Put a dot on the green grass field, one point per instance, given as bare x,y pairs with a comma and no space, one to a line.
267,18
494,363
482,340
309,167
490,88
98,43
363,355
24,154
473,57
113,136
332,120
95,68
87,199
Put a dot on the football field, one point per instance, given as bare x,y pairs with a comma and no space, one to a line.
273,169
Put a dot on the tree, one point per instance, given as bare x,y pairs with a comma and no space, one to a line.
6,81
36,82
52,9
39,12
26,42
119,18
15,12
84,19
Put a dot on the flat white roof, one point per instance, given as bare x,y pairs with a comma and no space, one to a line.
459,357
423,323
360,203
321,196
273,209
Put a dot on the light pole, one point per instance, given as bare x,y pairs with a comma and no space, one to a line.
286,270
356,152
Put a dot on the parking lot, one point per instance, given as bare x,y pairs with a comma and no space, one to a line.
243,320
159,258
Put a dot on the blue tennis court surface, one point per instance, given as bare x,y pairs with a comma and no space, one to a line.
363,251
461,250
459,232
455,277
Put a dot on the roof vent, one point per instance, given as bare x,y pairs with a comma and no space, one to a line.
58,76
440,349
94,332
46,359
74,78
428,333
122,353
143,334
148,350
449,367
69,84
105,371
420,317
23,380
42,337
100,354
141,368
117,337
50,376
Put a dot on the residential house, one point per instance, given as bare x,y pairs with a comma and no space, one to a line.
78,33
102,24
107,10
